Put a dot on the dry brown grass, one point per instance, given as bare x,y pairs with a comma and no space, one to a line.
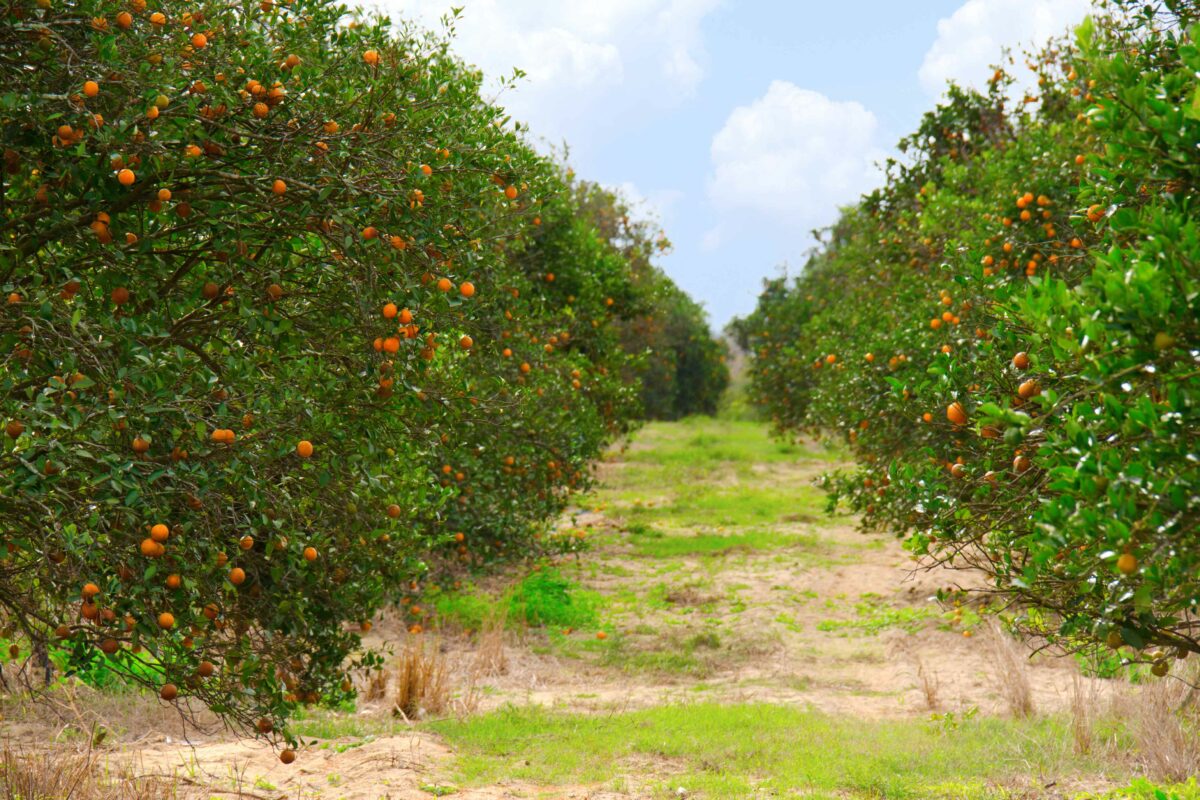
490,657
1164,721
930,685
1085,703
422,680
1009,668
52,774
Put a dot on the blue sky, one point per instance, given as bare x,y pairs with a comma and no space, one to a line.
741,124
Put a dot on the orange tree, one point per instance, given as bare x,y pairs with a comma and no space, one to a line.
1006,337
262,265
678,364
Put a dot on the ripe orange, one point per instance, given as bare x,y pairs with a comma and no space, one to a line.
1029,389
444,285
1127,563
511,193
390,311
14,429
278,187
91,88
466,342
467,289
956,413
140,445
160,532
1021,360
288,756
90,590
246,542
168,692
304,449
166,620
393,511
371,57
310,554
370,232
120,296
601,635
150,548
237,576
206,669
199,41
126,177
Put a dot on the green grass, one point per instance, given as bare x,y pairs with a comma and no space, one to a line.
719,751
704,440
675,545
874,616
543,598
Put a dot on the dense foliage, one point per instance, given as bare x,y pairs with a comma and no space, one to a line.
290,309
678,364
1006,334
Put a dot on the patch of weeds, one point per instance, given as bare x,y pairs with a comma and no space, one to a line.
321,724
707,639
789,622
467,608
874,616
547,598
437,790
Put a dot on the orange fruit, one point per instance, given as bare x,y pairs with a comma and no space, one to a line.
199,41
206,669
288,756
467,289
91,88
278,187
160,532
310,554
511,193
14,429
237,576
371,57
90,590
956,414
1127,563
126,177
166,620
120,296
168,692
1021,360
393,511
1029,389
304,448
466,342
390,311
444,285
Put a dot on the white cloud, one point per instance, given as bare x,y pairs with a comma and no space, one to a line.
657,206
970,40
793,155
586,62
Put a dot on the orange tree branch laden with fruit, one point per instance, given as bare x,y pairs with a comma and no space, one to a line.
292,315
1006,337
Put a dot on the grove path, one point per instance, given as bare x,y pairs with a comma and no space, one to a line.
718,577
